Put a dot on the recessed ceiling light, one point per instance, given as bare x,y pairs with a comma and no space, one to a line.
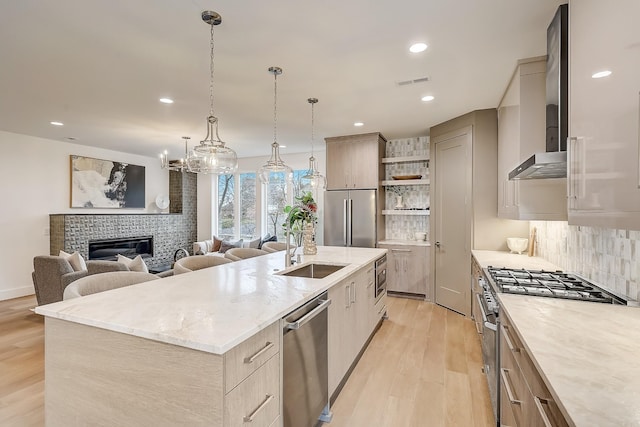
358,124
166,100
418,47
601,74
57,123
428,98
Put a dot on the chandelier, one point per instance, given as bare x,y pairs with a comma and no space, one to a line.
315,178
275,163
212,156
175,165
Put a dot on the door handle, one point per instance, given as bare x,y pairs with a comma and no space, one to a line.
437,244
344,222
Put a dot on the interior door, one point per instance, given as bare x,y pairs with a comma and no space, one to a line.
453,219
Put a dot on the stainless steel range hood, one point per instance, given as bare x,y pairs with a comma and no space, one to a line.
553,162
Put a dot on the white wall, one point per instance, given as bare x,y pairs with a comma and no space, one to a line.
36,182
252,164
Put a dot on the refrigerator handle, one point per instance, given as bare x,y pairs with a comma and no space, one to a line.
344,222
350,222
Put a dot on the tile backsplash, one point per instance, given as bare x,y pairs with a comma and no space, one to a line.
403,227
610,258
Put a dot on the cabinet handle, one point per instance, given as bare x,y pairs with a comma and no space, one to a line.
573,179
543,413
400,250
353,288
249,418
347,294
507,338
383,309
266,347
505,379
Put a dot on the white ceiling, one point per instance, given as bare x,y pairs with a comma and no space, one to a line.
100,66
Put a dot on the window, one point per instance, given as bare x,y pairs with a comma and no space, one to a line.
239,198
226,206
248,214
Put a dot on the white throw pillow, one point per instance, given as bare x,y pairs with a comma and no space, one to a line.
136,264
75,260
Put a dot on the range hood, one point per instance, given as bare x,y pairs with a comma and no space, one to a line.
553,162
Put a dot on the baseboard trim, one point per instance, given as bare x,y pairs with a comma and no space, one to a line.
16,292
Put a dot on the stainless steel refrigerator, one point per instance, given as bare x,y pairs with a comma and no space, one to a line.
350,218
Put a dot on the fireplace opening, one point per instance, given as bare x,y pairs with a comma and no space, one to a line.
109,249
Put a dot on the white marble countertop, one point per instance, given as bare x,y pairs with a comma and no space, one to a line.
588,353
212,309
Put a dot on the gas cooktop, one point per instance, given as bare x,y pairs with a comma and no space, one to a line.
553,284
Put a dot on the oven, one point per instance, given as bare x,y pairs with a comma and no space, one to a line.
487,304
381,276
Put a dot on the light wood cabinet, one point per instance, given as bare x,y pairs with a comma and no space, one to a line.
521,133
353,162
604,187
525,400
408,269
351,322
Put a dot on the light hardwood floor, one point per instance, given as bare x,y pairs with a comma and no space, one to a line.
422,368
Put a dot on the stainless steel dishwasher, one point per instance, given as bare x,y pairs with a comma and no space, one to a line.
305,391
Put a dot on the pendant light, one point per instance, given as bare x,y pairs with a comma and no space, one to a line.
313,176
275,163
212,156
175,165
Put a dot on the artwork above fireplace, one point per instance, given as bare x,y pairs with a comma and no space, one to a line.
109,249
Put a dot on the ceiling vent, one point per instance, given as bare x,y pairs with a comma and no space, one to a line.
414,81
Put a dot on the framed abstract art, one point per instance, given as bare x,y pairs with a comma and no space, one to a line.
97,183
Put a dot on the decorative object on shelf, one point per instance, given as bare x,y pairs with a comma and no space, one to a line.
318,181
175,165
97,183
162,201
275,163
420,235
399,192
212,156
299,216
404,177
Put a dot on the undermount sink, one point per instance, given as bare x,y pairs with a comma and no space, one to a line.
314,271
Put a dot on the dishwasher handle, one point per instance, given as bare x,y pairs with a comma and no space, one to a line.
310,315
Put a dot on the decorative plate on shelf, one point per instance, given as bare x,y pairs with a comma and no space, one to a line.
401,177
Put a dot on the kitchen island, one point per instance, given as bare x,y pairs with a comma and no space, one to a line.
586,353
200,348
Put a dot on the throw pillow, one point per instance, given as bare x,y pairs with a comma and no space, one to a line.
136,264
225,245
209,245
255,243
75,260
216,244
267,238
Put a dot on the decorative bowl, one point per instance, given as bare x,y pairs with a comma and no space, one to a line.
517,244
420,235
403,177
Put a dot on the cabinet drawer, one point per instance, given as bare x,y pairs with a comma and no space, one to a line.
256,400
246,357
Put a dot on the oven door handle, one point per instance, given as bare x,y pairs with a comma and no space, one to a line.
486,322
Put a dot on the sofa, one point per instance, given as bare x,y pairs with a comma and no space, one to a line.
218,246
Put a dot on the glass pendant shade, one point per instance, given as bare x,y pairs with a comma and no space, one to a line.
313,176
275,165
212,156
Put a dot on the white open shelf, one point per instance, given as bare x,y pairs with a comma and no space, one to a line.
406,182
406,212
422,158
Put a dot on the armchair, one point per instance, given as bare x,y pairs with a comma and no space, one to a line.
51,275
